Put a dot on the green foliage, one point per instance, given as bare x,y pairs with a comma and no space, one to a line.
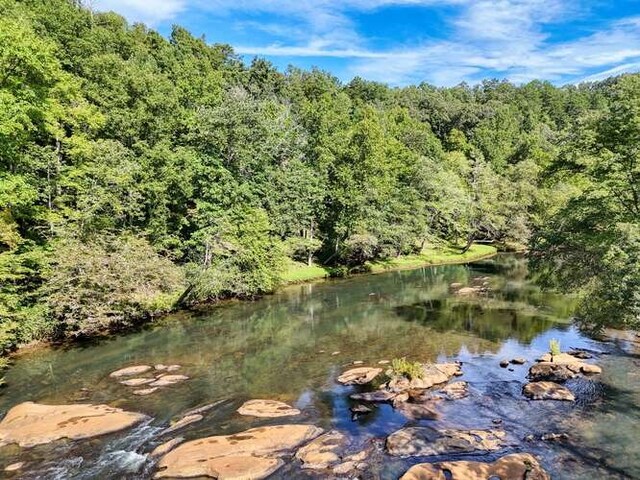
404,368
173,155
554,347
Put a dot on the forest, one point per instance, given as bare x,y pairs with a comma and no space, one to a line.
140,173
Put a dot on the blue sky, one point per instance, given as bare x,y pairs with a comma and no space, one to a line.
400,42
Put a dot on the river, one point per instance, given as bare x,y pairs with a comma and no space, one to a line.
291,346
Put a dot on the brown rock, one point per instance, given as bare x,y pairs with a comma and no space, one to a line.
590,369
136,382
323,451
547,391
14,467
433,374
517,466
455,390
375,396
165,380
166,447
267,409
29,424
418,411
241,455
553,372
145,391
183,422
518,361
427,441
359,375
128,371
504,363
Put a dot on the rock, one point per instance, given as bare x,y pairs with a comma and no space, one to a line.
359,375
504,363
590,369
517,466
160,366
136,382
358,362
14,467
465,291
337,352
455,285
323,451
427,441
361,409
173,368
29,424
128,371
384,362
183,422
518,361
166,380
165,447
455,390
581,354
203,408
563,358
241,455
547,391
145,391
375,396
432,374
267,409
417,411
554,437
552,372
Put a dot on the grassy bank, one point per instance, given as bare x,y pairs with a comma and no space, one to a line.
299,272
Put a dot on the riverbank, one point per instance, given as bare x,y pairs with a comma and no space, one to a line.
443,255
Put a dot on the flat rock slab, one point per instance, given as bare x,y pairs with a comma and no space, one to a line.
518,466
359,376
29,424
166,380
323,451
427,441
136,382
244,455
267,409
129,371
547,391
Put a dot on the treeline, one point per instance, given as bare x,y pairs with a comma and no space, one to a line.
138,171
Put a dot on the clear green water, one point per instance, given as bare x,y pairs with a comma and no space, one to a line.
281,348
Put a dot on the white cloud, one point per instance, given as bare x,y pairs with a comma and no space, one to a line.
503,38
150,12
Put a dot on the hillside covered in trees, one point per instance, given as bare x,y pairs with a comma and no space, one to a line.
139,172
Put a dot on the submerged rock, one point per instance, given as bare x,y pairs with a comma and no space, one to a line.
427,441
547,391
145,391
183,422
128,371
136,382
359,376
455,390
323,451
14,467
517,466
418,411
166,380
29,424
267,409
245,454
377,396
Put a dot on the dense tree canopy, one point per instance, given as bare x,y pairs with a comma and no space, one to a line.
125,155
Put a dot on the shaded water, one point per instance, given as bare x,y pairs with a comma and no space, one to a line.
282,347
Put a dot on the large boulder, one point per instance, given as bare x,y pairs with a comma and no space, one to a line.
547,391
29,424
427,441
267,409
432,374
359,375
517,466
323,451
247,454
